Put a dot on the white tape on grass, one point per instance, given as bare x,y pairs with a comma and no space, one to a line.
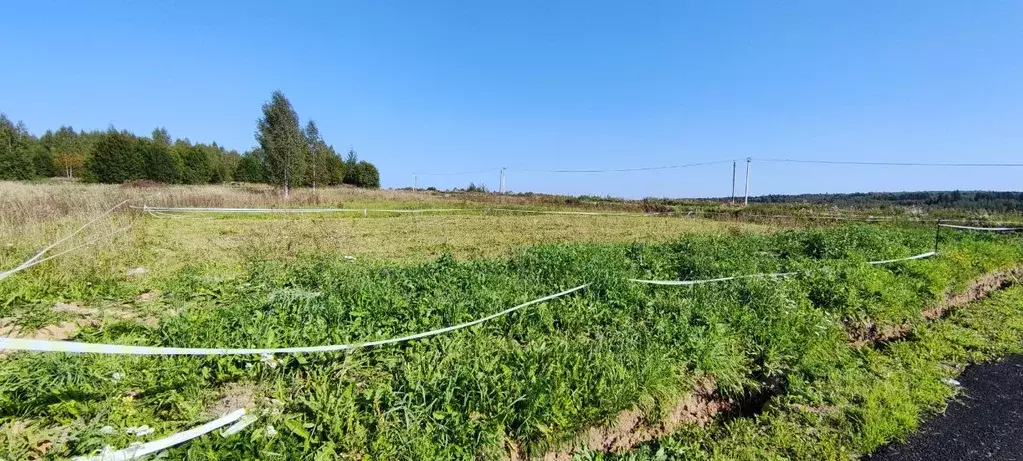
294,210
722,279
580,213
919,256
138,451
990,229
165,210
38,257
773,275
76,347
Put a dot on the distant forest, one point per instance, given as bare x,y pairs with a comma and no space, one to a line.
118,156
961,200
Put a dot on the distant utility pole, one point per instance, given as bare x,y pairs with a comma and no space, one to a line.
732,182
746,200
502,179
415,182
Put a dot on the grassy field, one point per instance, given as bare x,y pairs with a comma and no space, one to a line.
687,368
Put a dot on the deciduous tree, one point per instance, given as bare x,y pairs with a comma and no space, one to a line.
279,134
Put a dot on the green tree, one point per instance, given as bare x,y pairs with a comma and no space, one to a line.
68,150
15,151
115,158
41,158
158,160
351,161
160,135
250,167
315,148
197,164
364,174
226,164
335,168
279,134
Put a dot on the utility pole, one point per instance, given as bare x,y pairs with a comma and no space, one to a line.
502,179
732,182
415,182
746,200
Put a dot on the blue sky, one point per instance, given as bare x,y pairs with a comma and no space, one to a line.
445,86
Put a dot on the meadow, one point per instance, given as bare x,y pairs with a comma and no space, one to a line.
827,363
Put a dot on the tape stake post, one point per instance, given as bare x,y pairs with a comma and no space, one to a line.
40,345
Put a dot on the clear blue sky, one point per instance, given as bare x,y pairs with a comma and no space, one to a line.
456,86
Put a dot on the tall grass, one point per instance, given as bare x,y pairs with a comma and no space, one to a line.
536,378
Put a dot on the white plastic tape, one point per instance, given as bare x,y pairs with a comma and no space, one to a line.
76,347
138,451
579,213
919,256
38,257
291,210
722,279
774,275
991,229
237,427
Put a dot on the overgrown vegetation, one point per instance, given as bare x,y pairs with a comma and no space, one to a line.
533,379
119,156
871,397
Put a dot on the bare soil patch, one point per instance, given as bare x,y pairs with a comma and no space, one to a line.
633,427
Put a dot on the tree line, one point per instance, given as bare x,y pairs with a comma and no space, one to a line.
996,201
287,155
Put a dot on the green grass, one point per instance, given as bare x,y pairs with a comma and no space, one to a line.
870,398
536,377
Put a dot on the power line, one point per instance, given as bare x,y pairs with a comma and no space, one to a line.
460,173
849,162
618,170
714,162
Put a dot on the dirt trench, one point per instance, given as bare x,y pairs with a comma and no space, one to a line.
978,289
633,427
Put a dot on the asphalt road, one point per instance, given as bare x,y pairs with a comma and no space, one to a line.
985,422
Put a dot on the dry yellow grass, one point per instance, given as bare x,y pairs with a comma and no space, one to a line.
36,214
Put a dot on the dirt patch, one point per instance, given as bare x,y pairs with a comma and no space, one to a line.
148,296
64,330
633,427
72,308
978,289
88,317
92,314
232,397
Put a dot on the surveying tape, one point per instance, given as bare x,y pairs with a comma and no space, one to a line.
76,347
36,258
579,213
992,229
773,275
292,210
722,279
919,256
138,451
